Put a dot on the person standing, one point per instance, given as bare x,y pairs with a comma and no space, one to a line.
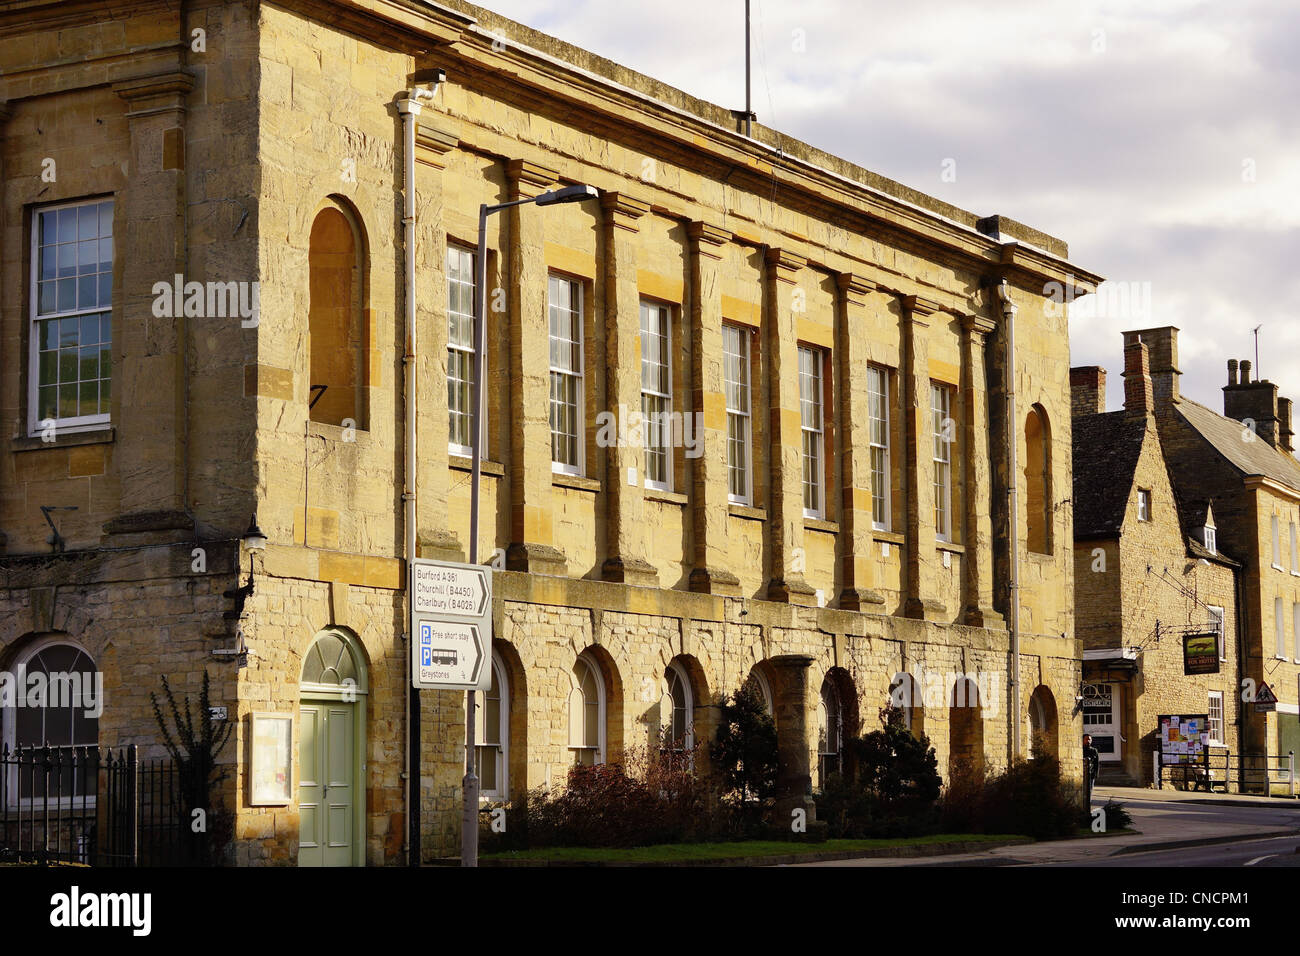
1091,761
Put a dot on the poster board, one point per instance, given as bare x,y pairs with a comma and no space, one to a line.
270,778
1184,739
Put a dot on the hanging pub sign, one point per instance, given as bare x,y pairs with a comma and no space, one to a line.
1201,653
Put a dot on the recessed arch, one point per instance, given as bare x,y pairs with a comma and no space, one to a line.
905,695
337,343
965,729
1038,481
1044,730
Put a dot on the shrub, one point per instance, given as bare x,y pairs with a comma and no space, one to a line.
1026,798
889,787
744,752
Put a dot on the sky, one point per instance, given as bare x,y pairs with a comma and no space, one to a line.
1160,138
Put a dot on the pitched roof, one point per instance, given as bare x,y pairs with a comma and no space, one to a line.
1256,457
1106,448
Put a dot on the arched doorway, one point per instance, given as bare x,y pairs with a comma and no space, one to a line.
1043,731
965,729
331,752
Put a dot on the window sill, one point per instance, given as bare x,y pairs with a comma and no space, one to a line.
821,524
667,497
952,546
889,537
1278,567
747,512
99,436
337,433
486,467
576,482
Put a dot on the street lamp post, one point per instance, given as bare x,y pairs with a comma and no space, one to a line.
567,194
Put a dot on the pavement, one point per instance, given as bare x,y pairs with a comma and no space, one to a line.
1163,821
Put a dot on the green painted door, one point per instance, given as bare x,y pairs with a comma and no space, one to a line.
327,786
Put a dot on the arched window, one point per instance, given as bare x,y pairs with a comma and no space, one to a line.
1038,482
330,663
53,697
492,735
830,731
336,325
587,712
678,710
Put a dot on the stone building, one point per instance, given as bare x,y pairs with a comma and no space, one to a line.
1148,570
828,514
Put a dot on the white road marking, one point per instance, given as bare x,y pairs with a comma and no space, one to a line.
1259,858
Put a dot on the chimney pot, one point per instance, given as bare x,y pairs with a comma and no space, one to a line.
1245,371
1087,390
1138,396
1232,371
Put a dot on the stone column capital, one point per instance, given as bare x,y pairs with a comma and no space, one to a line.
528,179
977,324
920,306
623,211
854,286
707,239
432,145
158,93
785,265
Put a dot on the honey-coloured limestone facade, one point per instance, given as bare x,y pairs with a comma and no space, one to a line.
827,515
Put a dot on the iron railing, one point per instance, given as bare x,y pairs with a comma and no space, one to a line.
94,806
1228,771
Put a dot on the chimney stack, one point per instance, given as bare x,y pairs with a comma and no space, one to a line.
1286,437
1232,371
1087,390
1257,401
1162,345
1139,399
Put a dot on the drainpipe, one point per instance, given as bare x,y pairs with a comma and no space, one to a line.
1013,495
409,108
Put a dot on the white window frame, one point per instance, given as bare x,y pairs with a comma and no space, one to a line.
1295,549
577,291
1210,539
940,412
1218,622
77,423
878,415
1279,629
741,417
814,433
1215,695
9,736
834,735
1144,504
502,756
675,669
1277,544
657,312
1295,628
454,248
764,688
601,712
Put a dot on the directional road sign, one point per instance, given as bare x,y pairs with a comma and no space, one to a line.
451,617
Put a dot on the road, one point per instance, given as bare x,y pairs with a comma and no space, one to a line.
1224,831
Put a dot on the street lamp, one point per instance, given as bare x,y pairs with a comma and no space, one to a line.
555,197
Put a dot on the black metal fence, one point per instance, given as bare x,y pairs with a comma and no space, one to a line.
99,807
1266,774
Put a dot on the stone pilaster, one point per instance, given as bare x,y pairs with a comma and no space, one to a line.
794,752
977,563
709,491
436,539
785,519
855,539
532,547
625,462
151,351
918,473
